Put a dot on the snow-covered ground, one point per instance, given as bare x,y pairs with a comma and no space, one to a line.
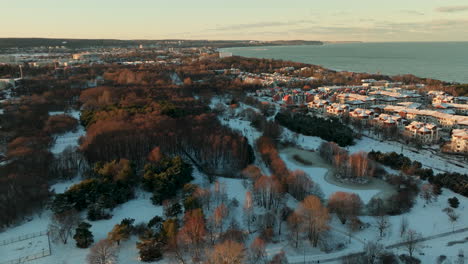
38,245
429,251
68,139
141,209
318,176
366,144
428,219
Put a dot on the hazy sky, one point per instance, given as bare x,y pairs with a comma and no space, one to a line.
364,20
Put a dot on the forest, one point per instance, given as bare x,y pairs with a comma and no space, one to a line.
180,147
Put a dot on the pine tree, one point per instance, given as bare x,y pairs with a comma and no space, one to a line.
150,250
83,237
454,202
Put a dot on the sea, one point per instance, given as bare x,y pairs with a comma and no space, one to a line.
446,61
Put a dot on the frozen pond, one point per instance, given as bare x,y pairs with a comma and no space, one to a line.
321,173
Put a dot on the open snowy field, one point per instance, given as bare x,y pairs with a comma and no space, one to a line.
141,209
31,247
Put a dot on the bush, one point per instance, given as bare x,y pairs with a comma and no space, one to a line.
166,177
150,250
454,202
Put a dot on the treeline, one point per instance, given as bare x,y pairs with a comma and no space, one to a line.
454,181
27,131
25,174
328,129
401,162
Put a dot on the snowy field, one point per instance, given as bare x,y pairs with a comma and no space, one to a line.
35,246
428,219
141,209
318,176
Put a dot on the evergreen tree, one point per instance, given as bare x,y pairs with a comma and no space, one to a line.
173,210
150,250
454,202
83,237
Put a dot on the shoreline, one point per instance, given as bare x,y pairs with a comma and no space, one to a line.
340,61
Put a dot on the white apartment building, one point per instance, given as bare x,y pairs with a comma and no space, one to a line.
459,141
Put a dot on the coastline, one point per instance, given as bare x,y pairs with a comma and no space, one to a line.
383,58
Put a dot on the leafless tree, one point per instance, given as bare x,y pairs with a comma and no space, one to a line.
372,252
382,224
104,252
452,215
249,214
403,226
257,253
63,224
427,193
412,240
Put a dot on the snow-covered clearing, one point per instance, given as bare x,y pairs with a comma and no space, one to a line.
69,139
427,219
318,174
429,251
141,209
33,247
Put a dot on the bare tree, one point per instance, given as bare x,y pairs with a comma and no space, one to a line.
372,252
427,192
411,241
257,253
403,226
249,215
294,224
103,252
228,252
63,224
382,224
452,215
314,217
219,216
345,205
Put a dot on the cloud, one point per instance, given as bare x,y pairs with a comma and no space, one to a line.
452,9
262,25
412,12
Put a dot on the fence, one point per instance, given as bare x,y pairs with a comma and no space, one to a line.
21,238
44,253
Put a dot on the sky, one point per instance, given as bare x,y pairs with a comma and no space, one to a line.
326,20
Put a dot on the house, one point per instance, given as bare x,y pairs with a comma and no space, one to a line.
425,132
459,141
441,99
461,109
386,120
362,114
338,109
444,120
318,105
